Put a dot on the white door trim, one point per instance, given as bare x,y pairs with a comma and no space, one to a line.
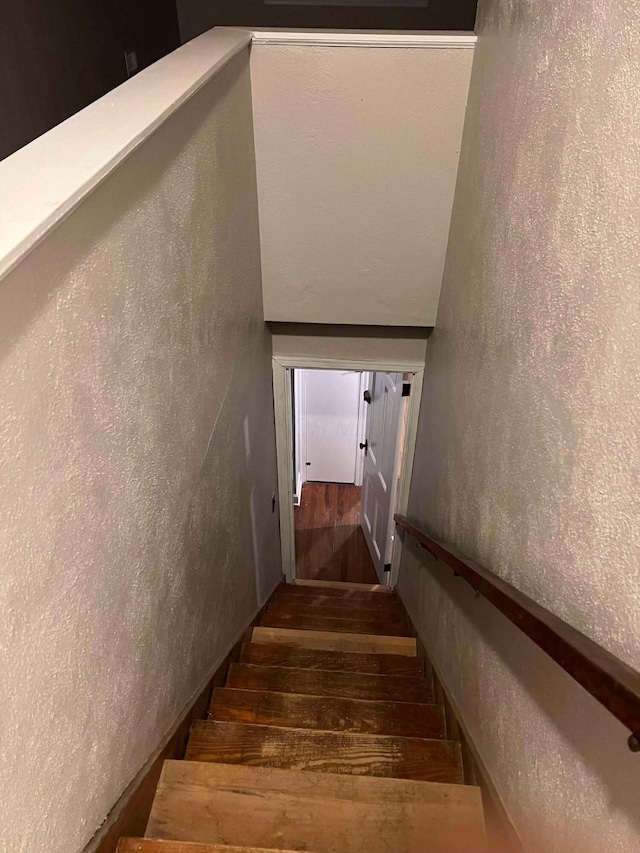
300,434
408,451
362,426
282,402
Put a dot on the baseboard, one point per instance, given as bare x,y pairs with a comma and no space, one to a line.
501,833
130,814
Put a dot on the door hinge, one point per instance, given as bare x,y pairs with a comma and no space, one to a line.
406,389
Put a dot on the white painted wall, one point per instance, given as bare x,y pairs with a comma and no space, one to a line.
528,456
136,447
357,153
330,421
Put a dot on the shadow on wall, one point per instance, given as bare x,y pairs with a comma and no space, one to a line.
578,719
58,57
133,348
137,322
196,16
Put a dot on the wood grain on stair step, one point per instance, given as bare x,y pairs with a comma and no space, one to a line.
325,752
350,685
328,611
155,845
336,641
326,813
342,586
338,591
277,618
288,656
292,710
353,596
381,604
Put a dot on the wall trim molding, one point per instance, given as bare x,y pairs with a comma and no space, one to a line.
129,815
365,38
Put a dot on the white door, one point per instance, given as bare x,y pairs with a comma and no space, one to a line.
380,479
331,425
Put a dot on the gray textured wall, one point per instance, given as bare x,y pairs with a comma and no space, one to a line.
528,453
137,453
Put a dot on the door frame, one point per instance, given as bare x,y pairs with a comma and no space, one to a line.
282,404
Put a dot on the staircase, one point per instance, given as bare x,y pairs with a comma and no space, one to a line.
324,739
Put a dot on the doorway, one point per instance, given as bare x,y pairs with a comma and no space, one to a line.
329,426
345,437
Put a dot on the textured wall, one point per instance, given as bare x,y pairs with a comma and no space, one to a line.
528,455
357,152
138,463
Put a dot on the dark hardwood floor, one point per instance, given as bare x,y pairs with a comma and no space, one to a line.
330,544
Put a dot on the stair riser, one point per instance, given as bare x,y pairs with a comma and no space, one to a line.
317,683
279,619
340,587
328,611
291,657
327,714
385,604
335,641
326,752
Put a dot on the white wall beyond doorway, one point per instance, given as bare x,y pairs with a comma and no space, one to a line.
327,426
283,366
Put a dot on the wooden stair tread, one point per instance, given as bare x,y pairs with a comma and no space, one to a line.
335,641
157,845
324,713
329,611
282,619
349,685
326,813
383,604
262,654
325,752
341,586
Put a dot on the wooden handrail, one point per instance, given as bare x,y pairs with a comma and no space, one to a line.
609,680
